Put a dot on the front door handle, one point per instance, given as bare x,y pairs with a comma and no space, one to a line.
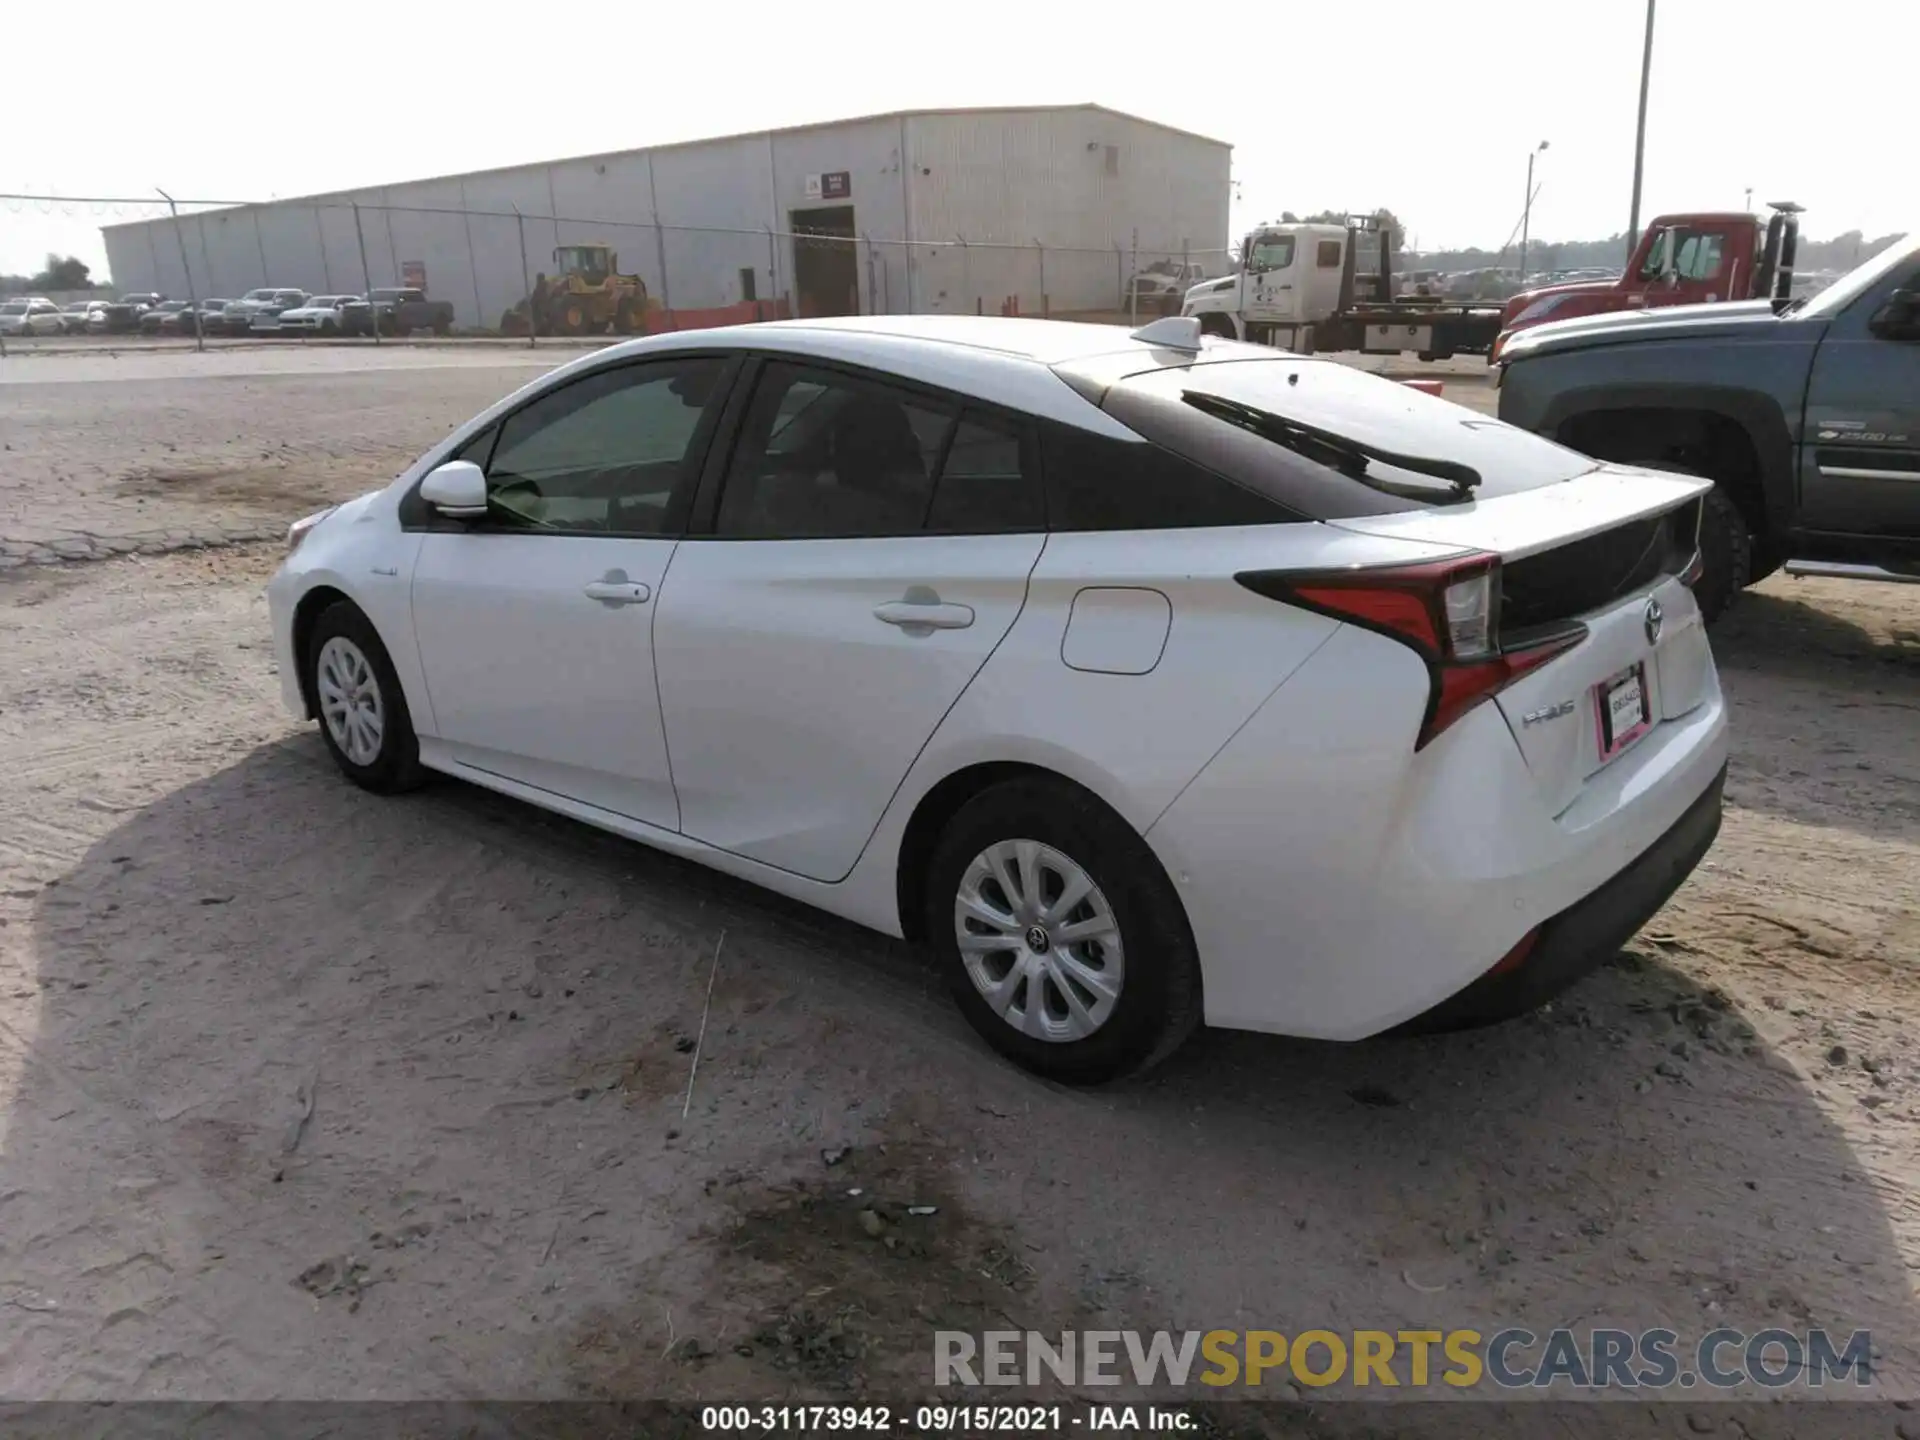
921,612
617,592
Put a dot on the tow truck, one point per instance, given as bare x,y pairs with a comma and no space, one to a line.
1299,286
1701,258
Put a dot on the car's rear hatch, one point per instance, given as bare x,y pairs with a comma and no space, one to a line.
1582,547
1606,553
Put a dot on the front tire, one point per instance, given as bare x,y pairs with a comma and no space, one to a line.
362,709
1060,936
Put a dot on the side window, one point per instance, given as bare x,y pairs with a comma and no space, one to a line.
1098,483
479,449
1699,257
822,454
1655,265
1328,255
603,455
986,483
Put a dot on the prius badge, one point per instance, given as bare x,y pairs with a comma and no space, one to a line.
1546,713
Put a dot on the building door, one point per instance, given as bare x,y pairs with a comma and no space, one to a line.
826,267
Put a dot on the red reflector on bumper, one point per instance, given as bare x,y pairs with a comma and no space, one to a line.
1425,387
1517,956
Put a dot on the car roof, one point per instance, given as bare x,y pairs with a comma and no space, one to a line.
1001,360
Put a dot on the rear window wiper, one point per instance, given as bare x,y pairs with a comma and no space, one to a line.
1338,452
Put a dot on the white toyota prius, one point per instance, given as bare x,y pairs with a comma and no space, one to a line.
1149,679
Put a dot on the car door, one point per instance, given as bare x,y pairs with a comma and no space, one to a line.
535,625
1860,447
868,547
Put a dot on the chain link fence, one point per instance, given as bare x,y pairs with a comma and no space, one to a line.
504,271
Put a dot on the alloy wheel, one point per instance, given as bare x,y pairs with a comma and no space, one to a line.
1039,940
351,705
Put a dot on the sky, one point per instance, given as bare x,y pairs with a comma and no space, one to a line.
1426,107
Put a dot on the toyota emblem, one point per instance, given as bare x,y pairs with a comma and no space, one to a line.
1654,618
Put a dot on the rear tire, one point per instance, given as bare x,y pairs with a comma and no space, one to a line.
1117,996
362,709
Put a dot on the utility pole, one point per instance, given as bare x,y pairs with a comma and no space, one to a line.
193,301
1526,214
366,273
1640,134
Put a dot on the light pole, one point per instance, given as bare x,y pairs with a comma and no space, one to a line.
1640,134
1526,213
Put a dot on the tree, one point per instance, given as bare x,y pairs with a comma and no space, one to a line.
64,273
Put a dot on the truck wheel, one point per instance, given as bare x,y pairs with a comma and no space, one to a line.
623,319
1726,554
443,327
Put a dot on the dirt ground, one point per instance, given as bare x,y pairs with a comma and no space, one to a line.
309,1094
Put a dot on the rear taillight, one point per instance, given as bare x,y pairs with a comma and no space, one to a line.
1447,612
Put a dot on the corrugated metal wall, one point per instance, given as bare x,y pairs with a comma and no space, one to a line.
1079,180
1083,182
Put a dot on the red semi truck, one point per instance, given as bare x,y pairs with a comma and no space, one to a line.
1681,260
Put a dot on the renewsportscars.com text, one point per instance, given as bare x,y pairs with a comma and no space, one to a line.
1509,1359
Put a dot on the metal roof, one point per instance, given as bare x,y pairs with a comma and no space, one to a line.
690,144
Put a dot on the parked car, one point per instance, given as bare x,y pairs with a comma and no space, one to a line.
30,315
237,318
1804,413
1167,280
166,316
319,316
73,316
401,311
211,316
1148,679
122,316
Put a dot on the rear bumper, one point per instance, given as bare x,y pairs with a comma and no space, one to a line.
1339,884
1585,935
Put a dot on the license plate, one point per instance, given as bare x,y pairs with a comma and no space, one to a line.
1622,707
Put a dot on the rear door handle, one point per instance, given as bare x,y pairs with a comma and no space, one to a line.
617,592
921,612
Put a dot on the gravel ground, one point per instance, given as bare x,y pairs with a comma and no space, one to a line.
309,1094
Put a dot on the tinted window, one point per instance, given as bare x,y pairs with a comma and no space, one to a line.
1344,403
1097,483
985,484
824,454
1327,257
604,454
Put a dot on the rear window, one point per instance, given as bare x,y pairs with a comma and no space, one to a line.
1172,407
1095,482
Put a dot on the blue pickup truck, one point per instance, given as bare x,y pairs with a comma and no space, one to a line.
1804,413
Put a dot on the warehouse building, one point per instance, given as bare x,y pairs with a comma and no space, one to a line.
1028,210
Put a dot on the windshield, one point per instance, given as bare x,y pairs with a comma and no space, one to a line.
386,294
1270,252
14,307
1842,292
173,305
258,295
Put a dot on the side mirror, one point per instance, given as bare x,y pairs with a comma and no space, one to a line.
1899,318
457,490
